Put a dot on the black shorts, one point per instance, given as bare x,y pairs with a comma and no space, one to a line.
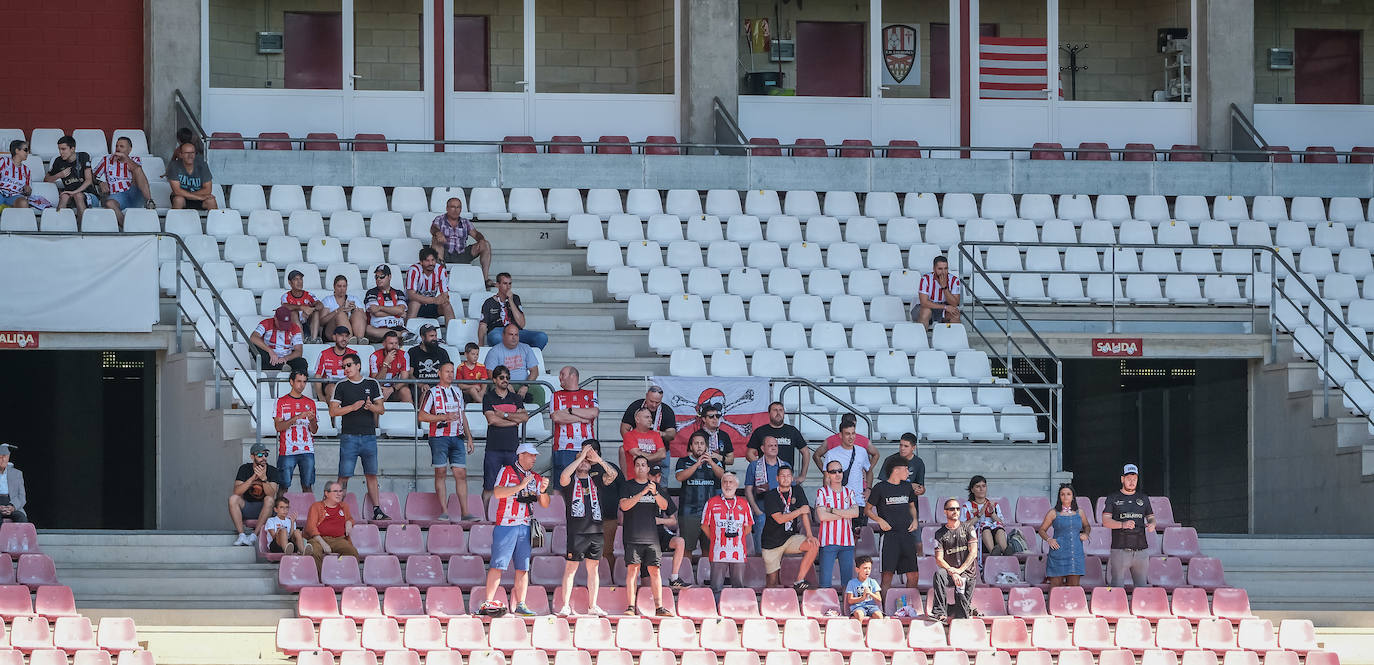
273,547
194,205
428,311
585,546
899,552
493,461
637,554
665,540
465,256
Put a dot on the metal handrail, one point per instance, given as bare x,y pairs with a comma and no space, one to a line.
1244,134
726,130
184,107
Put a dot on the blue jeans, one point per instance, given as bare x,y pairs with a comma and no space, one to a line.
510,545
129,198
445,451
829,553
288,465
352,446
532,338
561,459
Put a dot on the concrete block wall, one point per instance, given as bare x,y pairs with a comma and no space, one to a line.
1275,21
505,40
606,46
1122,59
388,46
919,16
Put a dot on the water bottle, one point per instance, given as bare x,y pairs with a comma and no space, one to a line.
904,600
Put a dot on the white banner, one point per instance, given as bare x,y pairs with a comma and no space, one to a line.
79,284
743,404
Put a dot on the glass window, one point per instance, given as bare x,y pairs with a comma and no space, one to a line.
606,46
1314,52
488,45
1012,56
1131,51
265,44
915,48
818,48
387,48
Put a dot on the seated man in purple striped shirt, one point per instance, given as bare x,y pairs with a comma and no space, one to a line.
449,237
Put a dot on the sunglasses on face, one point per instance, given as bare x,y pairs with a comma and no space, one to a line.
260,455
712,416
951,508
834,471
333,491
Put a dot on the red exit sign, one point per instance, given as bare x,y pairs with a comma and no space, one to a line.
18,339
1129,347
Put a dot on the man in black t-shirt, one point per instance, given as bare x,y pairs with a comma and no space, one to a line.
72,173
891,507
505,412
425,359
586,498
956,564
699,473
358,403
255,485
502,309
1127,513
661,416
640,503
790,442
787,530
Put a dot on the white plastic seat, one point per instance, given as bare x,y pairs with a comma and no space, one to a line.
887,310
408,201
998,206
204,248
902,231
1346,209
829,336
1176,232
1308,209
783,229
327,198
526,203
1081,259
345,225
760,203
706,335
942,232
1078,207
1152,208
848,310
1316,261
643,255
368,200
764,255
1192,208
420,226
1003,258
1066,289
439,196
1355,261
1111,207
54,220
665,337
728,362
687,362
767,309
1293,235
1103,289
745,282
1026,287
723,203
910,337
903,283
980,230
258,277
1222,289
972,365
1209,233
221,275
101,220
823,230
302,224
644,309
704,229
364,251
1272,209
825,283
723,255
663,281
624,229
879,398
936,423
1340,287
804,256
1293,288
743,229
1158,260
1143,289
841,204
1316,314
705,282
241,250
862,231
769,362
1043,259
806,309
686,308
643,203
310,275
1018,423
1136,232
1331,235
1258,233
183,223
866,284
1038,207
489,204
623,282
870,337
726,308
324,250
920,206
1230,209
1097,232
801,203
958,206
1347,345
882,206
247,198
1055,230
1197,261
564,202
682,254
1121,259
602,255
976,423
467,280
845,257
747,336
584,228
932,365
1181,289
788,337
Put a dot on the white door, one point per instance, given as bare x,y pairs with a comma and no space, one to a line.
1014,74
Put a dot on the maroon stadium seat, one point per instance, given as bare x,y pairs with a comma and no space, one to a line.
885,636
391,505
1134,633
55,600
1031,509
1175,634
424,571
845,635
635,634
614,149
662,150
903,149
273,141
1009,634
508,633
368,143
444,601
29,633
1164,512
765,152
1026,602
1150,603
517,144
802,635
403,601
1047,150
317,603
466,570
990,601
593,634
226,141
73,633
339,635
422,508
479,540
1256,635
1298,635
780,604
340,572
297,571
1069,602
1092,633
35,570
92,657
1139,152
1233,604
1111,603
1216,634
739,604
574,145
1181,541
367,539
447,539
552,634
972,634
15,601
382,570
1051,634
1186,152
1320,158
1276,154
1035,571
1206,572
811,150
321,141
861,148
996,565
1166,572
18,538
404,540
1366,156
721,636
1093,152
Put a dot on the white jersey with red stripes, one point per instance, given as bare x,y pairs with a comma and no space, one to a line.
13,177
727,516
931,287
280,341
443,400
296,439
571,435
427,284
836,532
116,174
509,511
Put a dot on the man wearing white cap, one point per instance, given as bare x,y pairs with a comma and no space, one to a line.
12,498
1127,514
517,487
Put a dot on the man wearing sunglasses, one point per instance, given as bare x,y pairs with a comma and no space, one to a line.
956,564
357,403
255,486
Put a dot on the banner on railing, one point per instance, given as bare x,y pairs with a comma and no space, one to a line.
79,284
743,403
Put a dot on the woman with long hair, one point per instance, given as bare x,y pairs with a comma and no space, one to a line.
986,516
1065,563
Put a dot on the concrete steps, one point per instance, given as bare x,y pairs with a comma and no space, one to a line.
1299,573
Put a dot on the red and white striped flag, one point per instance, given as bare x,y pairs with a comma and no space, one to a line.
1012,68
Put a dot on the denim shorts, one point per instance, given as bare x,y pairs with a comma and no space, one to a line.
128,199
447,451
9,199
288,465
492,464
510,545
352,446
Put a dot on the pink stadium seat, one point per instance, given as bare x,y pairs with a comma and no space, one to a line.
1233,604
466,570
1280,657
860,148
339,635
485,657
226,141
925,572
424,634
1135,633
1159,657
1366,156
446,539
1047,150
780,604
478,594
1186,152
566,657
720,635
657,657
1039,657
444,657
1216,634
927,636
662,149
339,572
516,144
1298,635
312,656
529,657
1008,634
444,602
1069,602
6,569
1181,541
1110,603
989,601
909,657
554,515
382,634
951,658
359,603
816,602
867,658
424,571
351,500
1206,572
996,565
368,143
1190,603
1026,602
761,635
1256,635
1166,572
903,149
972,634
466,633
615,657
36,570
92,657
537,599
1031,509
645,603
992,658
1150,603
1138,152
899,597
593,634
401,657
48,657
273,141
883,635
636,635
1093,152
1085,506
382,570
867,543
802,635
297,571
1278,154
737,604
367,539
72,633
391,505
814,148
15,601
1328,155
1092,633
321,141
699,657
621,147
403,601
1175,634
1164,512
573,145
1032,539
678,634
614,601
1240,658
1051,634
479,540
844,635
1116,657
422,508
19,538
552,634
1099,543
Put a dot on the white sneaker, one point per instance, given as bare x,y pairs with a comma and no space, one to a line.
565,611
244,539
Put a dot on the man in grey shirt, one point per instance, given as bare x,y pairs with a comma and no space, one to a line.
519,358
191,181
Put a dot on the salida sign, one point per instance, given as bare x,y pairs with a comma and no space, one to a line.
18,339
1132,347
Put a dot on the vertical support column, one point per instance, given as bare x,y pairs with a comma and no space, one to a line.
1225,67
967,30
440,17
709,51
171,34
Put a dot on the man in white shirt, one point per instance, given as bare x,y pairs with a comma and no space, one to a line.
12,497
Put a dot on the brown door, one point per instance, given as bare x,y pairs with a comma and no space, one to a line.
314,50
470,66
939,56
830,59
1327,67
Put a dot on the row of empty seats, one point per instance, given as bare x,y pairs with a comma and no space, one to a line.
43,141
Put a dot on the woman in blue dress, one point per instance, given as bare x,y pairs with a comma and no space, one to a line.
1065,563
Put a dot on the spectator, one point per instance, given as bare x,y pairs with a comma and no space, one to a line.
329,525
74,177
986,517
956,563
471,370
184,135
450,440
519,358
661,420
389,362
759,477
574,412
666,519
386,307
642,442
863,595
717,439
342,309
847,421
358,403
254,483
14,176
518,487
191,180
641,502
586,498
857,467
121,180
727,521
502,310
938,297
700,474
1127,513
425,359
427,288
1065,563
792,446
282,535
836,508
916,467
13,498
278,342
505,413
305,308
330,364
787,530
449,235
296,422
892,507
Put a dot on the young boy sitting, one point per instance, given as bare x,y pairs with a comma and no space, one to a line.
471,369
282,535
863,595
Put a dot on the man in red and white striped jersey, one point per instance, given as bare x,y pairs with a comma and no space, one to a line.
389,362
296,423
448,428
279,343
574,412
121,180
516,488
330,364
939,295
303,304
427,288
727,522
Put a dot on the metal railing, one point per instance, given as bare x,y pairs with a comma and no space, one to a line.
1244,135
186,117
727,131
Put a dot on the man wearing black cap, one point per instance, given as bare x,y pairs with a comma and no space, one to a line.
279,343
254,485
425,359
1127,514
12,496
892,509
386,307
306,307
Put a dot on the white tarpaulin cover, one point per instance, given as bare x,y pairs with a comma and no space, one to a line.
78,284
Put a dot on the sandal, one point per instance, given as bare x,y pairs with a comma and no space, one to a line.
491,283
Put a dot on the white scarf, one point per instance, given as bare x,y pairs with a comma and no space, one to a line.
579,506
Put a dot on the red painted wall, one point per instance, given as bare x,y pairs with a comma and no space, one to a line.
82,64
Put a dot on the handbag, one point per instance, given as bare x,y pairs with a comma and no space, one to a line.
1017,542
536,534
